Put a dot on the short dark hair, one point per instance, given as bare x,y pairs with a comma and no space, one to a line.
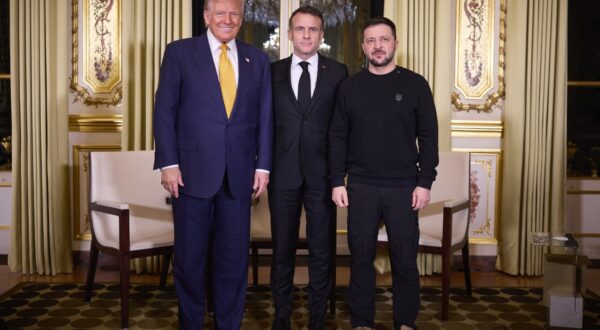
380,20
307,10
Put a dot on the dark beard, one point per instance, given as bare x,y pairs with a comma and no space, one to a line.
385,62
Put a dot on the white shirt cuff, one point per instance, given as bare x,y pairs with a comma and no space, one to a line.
170,166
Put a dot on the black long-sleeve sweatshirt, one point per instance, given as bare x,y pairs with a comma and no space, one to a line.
384,130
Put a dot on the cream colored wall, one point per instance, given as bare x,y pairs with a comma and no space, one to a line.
5,211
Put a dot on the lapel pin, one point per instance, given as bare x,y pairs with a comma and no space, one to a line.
247,60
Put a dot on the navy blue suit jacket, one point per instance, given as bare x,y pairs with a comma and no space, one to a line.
191,127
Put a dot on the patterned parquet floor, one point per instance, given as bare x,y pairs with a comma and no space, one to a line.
61,306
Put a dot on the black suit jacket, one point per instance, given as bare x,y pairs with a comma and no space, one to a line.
301,138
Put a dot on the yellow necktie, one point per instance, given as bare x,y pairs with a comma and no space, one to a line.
227,80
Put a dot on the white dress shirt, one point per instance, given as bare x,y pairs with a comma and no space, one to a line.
215,50
296,71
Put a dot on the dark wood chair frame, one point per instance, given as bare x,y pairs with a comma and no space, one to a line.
123,253
446,251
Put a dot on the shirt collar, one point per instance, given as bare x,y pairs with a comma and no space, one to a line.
215,45
313,60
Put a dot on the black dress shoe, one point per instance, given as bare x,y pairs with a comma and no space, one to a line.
316,322
281,324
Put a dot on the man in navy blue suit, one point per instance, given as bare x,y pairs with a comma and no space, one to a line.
213,132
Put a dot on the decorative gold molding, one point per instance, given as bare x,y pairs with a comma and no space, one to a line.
85,234
497,193
5,184
476,128
5,227
486,241
81,92
476,134
4,75
492,99
95,123
584,83
478,151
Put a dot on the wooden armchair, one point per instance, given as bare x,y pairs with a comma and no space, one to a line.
444,224
130,215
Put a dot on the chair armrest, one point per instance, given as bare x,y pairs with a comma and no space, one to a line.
450,207
109,207
456,204
114,205
122,211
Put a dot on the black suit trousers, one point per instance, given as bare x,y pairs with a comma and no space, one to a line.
368,205
286,207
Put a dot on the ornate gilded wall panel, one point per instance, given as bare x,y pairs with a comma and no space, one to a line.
80,187
479,55
96,32
485,196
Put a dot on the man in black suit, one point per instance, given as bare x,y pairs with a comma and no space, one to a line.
304,91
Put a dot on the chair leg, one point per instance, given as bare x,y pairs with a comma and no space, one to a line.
446,261
254,264
124,270
466,268
91,272
164,272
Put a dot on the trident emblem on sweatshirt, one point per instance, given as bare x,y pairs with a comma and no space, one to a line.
398,97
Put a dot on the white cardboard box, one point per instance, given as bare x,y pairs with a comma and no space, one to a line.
566,309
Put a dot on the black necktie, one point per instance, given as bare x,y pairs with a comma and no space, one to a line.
304,87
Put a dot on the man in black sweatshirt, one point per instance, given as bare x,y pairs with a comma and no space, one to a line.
384,136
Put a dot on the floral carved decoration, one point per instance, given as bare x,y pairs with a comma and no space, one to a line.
96,52
103,52
473,60
479,49
475,196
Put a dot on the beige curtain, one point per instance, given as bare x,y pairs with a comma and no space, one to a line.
148,26
40,241
534,142
424,32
